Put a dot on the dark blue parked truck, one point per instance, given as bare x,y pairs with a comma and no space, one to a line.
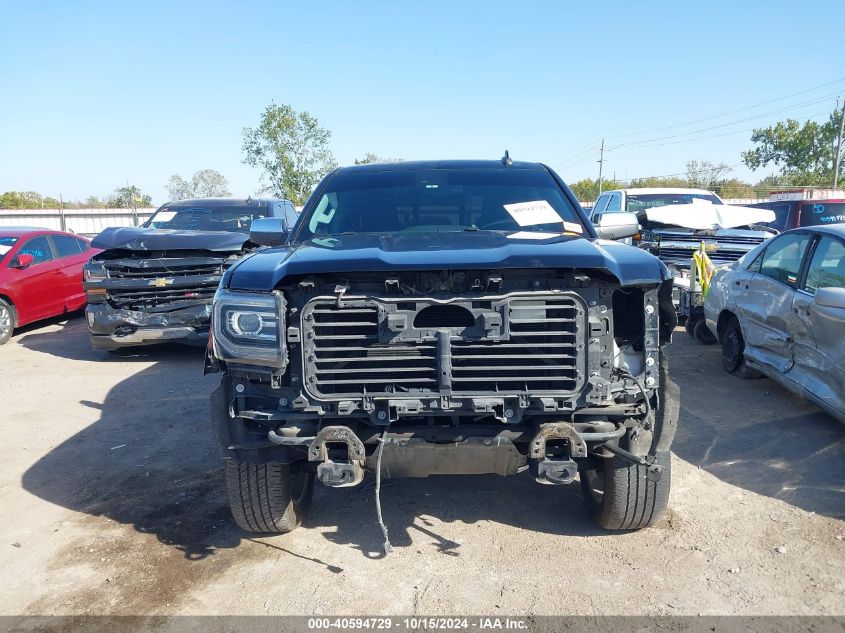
155,283
457,317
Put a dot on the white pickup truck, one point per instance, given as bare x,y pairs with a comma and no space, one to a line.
673,224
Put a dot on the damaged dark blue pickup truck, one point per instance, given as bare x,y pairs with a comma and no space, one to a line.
457,317
154,283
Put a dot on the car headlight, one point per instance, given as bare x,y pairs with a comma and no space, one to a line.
249,328
94,271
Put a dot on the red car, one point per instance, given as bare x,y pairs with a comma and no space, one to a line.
40,275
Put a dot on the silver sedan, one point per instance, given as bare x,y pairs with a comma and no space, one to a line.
780,312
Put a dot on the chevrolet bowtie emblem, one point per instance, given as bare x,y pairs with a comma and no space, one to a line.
160,282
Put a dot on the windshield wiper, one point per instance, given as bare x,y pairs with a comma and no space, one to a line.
471,228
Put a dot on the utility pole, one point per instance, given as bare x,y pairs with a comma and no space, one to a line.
838,158
601,163
62,221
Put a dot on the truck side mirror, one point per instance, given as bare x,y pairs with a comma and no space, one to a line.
268,231
616,226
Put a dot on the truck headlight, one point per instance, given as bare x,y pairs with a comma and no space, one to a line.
94,271
249,328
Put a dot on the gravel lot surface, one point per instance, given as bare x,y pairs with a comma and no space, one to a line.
113,503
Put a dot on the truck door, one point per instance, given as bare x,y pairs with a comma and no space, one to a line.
766,313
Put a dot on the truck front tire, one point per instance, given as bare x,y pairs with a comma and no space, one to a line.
620,496
268,498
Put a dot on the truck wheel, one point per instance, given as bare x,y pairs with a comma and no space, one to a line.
702,333
620,496
268,498
733,348
8,321
689,326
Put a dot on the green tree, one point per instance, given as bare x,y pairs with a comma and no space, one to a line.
178,188
369,157
587,189
93,202
704,174
206,183
292,151
128,197
659,181
804,152
733,188
210,183
21,200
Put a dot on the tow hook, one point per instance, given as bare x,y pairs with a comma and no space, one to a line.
553,470
653,471
338,474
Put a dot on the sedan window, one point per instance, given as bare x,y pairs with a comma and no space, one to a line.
782,259
39,248
827,268
67,246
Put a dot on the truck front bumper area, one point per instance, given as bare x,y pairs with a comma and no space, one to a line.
113,328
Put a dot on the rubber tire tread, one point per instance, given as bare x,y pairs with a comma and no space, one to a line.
742,370
260,497
13,316
631,501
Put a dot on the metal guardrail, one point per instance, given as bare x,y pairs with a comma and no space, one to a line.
81,221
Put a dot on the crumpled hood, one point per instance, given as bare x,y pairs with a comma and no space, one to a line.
701,214
265,269
140,239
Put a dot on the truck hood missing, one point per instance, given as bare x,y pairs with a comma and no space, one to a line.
265,269
143,239
701,214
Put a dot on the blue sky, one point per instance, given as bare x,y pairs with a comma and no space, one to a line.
95,94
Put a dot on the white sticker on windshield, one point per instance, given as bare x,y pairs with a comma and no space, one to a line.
4,249
532,235
164,216
572,227
531,213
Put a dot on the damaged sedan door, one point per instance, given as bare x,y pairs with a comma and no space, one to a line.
819,325
766,314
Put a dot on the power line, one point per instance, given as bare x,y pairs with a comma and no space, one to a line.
728,124
701,138
582,153
744,109
579,150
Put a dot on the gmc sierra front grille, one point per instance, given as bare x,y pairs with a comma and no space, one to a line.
348,354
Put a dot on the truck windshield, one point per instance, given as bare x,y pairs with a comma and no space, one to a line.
439,200
6,244
638,203
212,218
815,213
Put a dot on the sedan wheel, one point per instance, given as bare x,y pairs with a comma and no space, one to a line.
733,348
7,321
